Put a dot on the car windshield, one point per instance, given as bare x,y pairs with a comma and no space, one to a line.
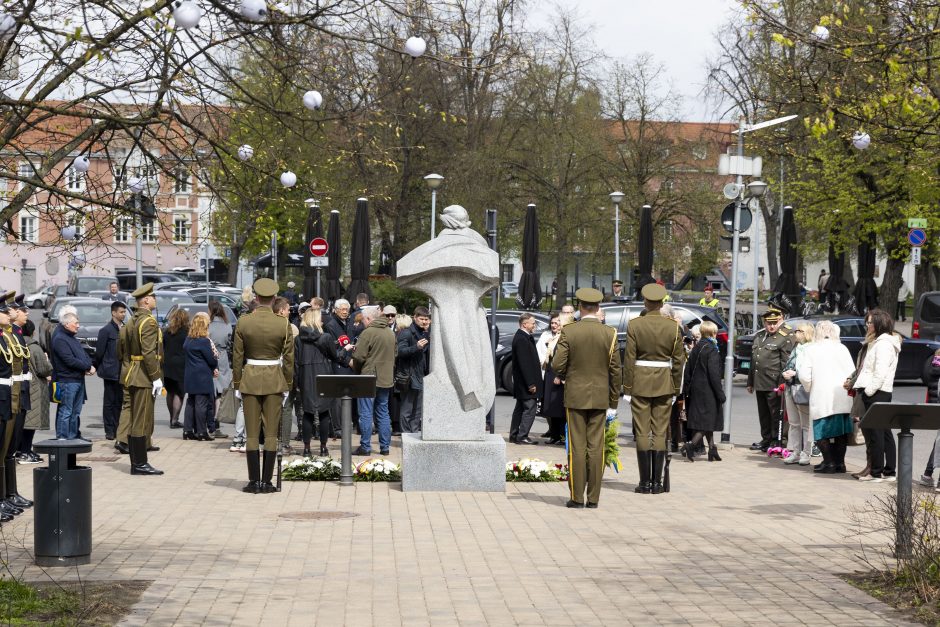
87,284
930,312
93,313
165,301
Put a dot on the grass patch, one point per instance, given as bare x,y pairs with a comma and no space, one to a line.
97,604
899,593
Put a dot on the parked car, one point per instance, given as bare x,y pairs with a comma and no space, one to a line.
202,296
913,362
81,285
193,308
165,301
37,300
507,323
618,315
127,281
105,294
93,313
926,320
509,289
58,291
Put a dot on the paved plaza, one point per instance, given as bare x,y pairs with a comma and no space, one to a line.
732,543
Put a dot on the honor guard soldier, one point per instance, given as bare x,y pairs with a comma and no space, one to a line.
769,354
586,357
652,371
140,349
616,292
6,388
262,367
18,315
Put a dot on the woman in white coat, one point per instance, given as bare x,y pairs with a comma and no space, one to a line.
823,367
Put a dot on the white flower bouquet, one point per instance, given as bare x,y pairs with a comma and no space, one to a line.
378,470
535,470
302,469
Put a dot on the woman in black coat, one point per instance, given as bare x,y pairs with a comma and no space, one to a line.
553,388
703,393
314,353
174,364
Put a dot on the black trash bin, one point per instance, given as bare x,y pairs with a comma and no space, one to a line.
62,505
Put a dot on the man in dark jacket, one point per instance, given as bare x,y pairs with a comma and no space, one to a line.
414,359
109,369
526,380
340,326
70,364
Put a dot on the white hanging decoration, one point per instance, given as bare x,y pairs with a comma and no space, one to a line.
68,233
288,179
861,140
245,152
81,163
415,46
313,100
820,32
187,14
254,10
919,90
7,24
136,184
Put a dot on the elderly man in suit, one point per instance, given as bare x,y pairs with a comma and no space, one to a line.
526,380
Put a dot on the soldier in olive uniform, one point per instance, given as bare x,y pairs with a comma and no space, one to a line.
140,349
7,385
18,315
587,358
652,370
769,354
262,366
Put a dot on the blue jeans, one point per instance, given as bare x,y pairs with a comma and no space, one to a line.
70,409
380,405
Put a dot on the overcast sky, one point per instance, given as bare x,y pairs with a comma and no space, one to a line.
680,34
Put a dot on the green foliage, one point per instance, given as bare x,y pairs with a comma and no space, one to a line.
23,604
404,300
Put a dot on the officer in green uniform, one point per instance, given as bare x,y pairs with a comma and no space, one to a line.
586,357
262,366
140,348
652,371
769,354
616,292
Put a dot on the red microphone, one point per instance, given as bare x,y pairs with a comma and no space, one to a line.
343,341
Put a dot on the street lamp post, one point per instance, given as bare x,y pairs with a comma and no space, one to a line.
137,185
617,198
434,181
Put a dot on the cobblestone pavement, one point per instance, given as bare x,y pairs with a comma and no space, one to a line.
721,548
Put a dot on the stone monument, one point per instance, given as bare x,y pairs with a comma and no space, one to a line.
454,452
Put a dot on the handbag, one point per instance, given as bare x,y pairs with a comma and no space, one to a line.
799,394
228,407
55,394
402,380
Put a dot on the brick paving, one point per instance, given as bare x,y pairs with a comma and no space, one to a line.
719,549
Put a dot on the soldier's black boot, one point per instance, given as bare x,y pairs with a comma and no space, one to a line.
659,459
643,463
267,470
7,508
254,472
139,465
13,496
121,448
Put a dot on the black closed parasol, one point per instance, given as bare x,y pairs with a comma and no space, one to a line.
866,292
787,289
530,292
644,250
333,288
360,253
836,287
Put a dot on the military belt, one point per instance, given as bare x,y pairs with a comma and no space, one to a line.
137,357
653,364
6,382
23,377
263,362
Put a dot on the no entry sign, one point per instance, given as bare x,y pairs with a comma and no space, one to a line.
319,247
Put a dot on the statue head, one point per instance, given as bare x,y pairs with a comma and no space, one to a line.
455,217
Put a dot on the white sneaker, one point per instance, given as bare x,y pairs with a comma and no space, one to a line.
804,459
891,478
927,480
871,479
792,458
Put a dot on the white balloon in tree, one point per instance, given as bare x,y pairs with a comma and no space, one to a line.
861,140
81,163
245,152
68,233
415,46
254,10
313,100
288,179
7,24
820,32
187,14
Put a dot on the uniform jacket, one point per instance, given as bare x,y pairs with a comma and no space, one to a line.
769,356
140,349
200,364
106,362
313,356
411,359
262,334
587,359
702,389
25,402
653,337
6,372
375,353
69,360
37,417
526,369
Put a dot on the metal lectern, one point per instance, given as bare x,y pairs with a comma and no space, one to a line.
903,416
346,387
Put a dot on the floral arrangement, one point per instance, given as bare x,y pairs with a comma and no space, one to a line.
611,448
535,470
304,469
378,470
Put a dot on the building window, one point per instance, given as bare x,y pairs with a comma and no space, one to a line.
25,171
29,228
75,180
667,186
181,181
181,229
123,231
665,230
120,178
148,231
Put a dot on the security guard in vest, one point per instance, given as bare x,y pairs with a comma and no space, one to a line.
140,348
652,370
586,357
769,355
709,299
262,367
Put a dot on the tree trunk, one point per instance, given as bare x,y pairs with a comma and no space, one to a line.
233,262
561,271
888,293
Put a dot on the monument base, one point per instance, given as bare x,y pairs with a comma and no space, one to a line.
453,465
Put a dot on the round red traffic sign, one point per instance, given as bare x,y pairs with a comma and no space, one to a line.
319,247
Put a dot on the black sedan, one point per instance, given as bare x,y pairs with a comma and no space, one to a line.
619,314
913,362
93,313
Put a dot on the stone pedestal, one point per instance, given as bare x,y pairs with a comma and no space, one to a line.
453,465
